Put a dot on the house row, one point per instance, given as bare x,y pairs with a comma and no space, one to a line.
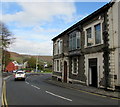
88,52
14,65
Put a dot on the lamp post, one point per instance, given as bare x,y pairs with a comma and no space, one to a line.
37,59
36,63
0,69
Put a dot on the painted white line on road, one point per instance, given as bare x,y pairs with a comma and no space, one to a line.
27,83
58,96
35,87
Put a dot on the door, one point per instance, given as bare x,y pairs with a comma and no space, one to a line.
93,78
65,71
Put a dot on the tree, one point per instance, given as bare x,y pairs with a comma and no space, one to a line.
6,35
6,39
7,57
32,62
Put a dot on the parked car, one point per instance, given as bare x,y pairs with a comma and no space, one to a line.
27,71
19,75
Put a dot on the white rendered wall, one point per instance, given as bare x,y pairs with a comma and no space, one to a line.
114,39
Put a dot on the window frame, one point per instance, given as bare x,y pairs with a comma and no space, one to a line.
55,49
100,33
73,40
92,26
56,65
58,47
75,73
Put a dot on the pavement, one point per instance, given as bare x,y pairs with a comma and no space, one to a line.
87,89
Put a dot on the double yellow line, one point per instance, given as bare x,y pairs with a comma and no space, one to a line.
4,99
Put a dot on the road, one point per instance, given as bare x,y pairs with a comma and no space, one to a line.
35,91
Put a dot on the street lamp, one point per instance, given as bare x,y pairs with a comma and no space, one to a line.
37,59
0,69
36,63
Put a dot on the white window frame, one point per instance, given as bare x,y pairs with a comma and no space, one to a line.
73,66
57,46
92,26
55,65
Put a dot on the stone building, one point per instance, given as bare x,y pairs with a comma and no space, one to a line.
89,51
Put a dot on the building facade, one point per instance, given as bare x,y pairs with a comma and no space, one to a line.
89,51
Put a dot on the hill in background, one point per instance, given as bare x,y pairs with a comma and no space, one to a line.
20,57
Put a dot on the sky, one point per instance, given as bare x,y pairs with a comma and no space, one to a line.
34,24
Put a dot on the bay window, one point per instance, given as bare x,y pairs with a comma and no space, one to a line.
74,40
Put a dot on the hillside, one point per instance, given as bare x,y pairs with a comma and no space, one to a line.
21,57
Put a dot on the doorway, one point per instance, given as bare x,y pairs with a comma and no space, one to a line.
93,78
65,71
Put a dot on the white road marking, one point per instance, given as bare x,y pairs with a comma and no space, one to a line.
58,96
35,86
27,83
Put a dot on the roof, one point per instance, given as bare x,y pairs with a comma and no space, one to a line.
100,10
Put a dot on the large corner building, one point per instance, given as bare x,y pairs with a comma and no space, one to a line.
88,52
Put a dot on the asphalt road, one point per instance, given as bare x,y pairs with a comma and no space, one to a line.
34,91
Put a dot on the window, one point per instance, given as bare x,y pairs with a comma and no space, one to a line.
74,40
57,65
93,34
55,49
75,65
58,48
89,36
54,65
78,39
60,65
61,47
70,42
97,34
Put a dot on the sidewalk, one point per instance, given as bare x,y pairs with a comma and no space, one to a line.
85,88
0,90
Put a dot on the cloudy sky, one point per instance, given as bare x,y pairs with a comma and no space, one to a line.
34,24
